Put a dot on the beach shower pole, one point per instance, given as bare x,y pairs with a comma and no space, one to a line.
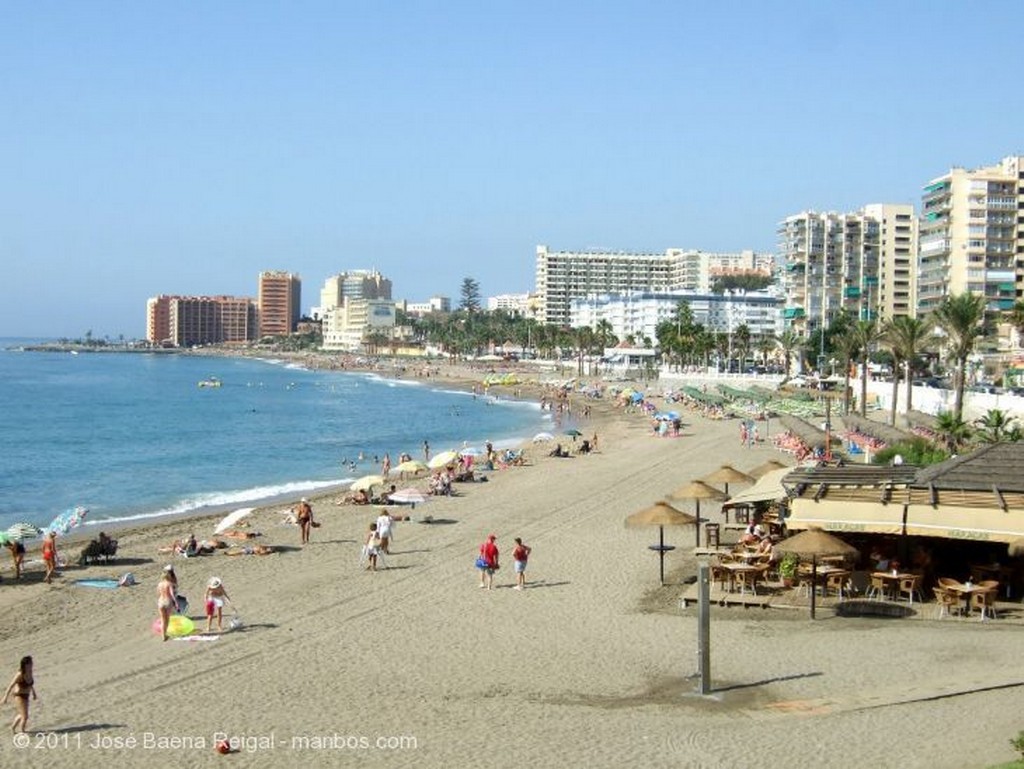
704,626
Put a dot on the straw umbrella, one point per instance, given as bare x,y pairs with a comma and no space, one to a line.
767,467
814,543
698,490
660,514
727,474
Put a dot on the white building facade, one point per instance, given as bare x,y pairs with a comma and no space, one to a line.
638,314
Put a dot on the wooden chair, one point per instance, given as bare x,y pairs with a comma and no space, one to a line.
747,579
947,582
909,586
879,589
722,576
946,603
712,534
836,583
985,602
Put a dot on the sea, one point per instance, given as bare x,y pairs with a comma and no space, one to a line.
133,438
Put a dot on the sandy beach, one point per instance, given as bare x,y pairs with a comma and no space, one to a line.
415,666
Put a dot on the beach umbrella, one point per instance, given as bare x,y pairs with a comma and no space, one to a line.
21,531
412,466
471,451
767,467
727,474
815,543
696,491
67,520
660,514
573,432
443,459
232,518
4,538
543,437
367,482
409,496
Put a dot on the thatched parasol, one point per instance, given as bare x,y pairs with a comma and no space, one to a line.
660,514
698,490
767,467
727,474
814,543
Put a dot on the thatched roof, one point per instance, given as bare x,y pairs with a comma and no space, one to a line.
920,419
882,432
997,466
812,436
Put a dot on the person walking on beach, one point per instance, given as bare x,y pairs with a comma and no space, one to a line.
520,556
385,466
426,451
17,555
304,517
215,597
384,525
21,687
166,597
371,548
487,563
50,555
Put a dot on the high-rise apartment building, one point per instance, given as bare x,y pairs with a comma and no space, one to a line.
897,258
184,321
563,276
831,265
972,235
279,298
355,284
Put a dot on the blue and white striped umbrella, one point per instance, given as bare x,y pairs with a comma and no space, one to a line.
21,531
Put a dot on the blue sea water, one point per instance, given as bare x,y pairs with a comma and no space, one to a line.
133,436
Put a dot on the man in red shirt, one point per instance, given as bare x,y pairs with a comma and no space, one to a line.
488,562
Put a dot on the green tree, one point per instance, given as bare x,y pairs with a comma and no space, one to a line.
788,343
960,316
741,337
1016,319
846,347
867,334
953,432
906,338
470,293
997,426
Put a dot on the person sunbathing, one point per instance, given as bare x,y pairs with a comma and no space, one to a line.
236,534
251,550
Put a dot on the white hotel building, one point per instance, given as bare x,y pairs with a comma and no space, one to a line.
638,314
564,276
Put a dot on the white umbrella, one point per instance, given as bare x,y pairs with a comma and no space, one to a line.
231,519
24,531
543,437
367,482
408,496
471,451
443,459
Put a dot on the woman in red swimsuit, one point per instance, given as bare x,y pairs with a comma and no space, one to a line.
50,555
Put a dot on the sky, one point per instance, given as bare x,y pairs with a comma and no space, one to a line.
183,148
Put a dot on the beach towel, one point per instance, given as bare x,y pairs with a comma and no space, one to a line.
104,584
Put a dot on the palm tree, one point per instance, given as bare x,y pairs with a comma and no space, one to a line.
847,346
905,337
960,317
788,342
867,334
997,427
953,432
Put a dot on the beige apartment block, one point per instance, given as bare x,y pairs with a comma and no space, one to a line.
972,235
279,298
897,258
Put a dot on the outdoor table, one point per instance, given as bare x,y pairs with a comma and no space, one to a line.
1002,574
821,574
892,580
965,591
736,569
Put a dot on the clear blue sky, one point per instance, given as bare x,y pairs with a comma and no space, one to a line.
151,148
